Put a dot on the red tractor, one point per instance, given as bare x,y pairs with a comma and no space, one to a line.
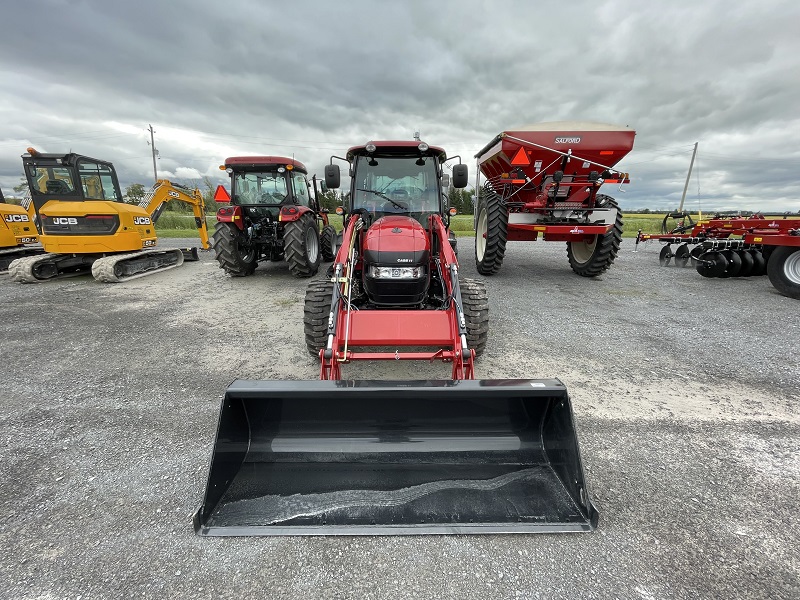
272,215
544,180
372,457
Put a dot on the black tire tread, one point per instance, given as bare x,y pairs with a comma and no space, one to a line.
606,249
496,234
227,252
475,303
294,246
316,310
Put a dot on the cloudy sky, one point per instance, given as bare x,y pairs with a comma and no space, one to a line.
311,78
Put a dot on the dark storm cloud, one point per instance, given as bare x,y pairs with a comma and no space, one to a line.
310,79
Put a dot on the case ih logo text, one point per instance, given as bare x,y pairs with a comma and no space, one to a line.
576,230
65,221
17,218
141,220
568,140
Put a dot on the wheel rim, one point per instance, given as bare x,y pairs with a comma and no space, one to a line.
246,251
583,251
312,245
791,268
480,235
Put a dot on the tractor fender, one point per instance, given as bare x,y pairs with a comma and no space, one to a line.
231,214
292,213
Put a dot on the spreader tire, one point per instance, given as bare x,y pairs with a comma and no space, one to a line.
316,310
475,303
301,246
491,234
589,259
328,245
783,270
234,255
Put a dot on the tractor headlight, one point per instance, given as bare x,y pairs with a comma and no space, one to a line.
396,272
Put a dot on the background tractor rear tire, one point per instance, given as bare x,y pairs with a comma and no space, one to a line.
301,246
491,234
783,270
234,255
328,245
316,310
589,259
476,313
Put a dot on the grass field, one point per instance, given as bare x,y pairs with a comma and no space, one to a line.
178,225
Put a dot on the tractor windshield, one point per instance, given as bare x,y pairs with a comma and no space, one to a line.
260,187
391,185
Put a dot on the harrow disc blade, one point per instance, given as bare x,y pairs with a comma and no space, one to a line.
734,263
695,253
747,263
682,255
759,263
665,256
711,264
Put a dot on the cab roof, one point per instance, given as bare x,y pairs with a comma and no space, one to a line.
400,147
263,161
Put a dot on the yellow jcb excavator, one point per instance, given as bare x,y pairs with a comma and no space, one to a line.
85,224
17,233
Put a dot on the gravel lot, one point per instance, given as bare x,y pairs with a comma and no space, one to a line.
685,393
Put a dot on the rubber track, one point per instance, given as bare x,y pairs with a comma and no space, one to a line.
294,247
475,303
496,235
103,268
316,310
21,270
604,252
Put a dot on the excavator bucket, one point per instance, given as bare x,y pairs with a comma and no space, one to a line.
395,457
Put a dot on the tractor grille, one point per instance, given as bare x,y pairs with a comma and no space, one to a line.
88,225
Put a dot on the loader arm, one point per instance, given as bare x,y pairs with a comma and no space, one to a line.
165,191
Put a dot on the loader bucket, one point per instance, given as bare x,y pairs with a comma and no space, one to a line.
395,457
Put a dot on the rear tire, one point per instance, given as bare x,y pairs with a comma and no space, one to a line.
316,310
491,234
328,245
783,270
475,303
234,255
589,259
301,246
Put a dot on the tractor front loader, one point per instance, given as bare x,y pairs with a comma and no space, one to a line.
366,457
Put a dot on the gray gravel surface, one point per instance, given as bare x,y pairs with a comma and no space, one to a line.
684,389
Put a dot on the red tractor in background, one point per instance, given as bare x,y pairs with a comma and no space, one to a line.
544,180
272,215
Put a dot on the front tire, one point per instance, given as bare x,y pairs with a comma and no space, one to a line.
783,270
589,259
491,234
316,310
475,303
328,245
234,254
301,246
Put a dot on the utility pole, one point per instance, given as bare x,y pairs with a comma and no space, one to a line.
688,176
153,147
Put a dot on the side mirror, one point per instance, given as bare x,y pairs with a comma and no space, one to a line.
332,177
460,175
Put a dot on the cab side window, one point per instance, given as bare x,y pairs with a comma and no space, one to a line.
301,189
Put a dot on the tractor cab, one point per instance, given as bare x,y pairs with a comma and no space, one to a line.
395,178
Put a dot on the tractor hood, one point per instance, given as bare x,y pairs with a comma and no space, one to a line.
396,240
396,251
